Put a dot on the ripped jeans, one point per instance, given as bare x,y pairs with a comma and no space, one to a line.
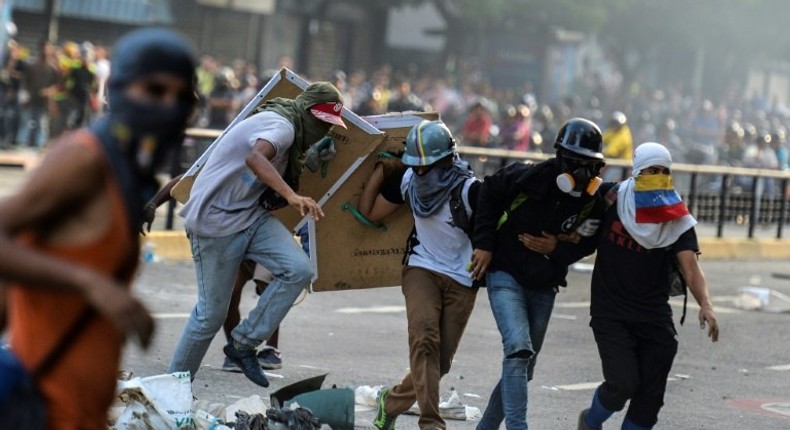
522,317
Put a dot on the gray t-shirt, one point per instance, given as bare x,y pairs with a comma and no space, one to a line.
224,197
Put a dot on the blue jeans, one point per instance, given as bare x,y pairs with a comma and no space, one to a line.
217,260
522,317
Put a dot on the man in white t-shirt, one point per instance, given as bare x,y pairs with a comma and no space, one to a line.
439,291
253,170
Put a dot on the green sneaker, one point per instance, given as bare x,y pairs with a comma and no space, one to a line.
383,421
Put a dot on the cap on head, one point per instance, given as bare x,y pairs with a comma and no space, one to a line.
427,143
324,101
580,137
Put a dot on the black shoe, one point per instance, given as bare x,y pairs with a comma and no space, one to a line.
248,363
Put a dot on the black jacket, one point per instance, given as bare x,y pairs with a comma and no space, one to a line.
545,208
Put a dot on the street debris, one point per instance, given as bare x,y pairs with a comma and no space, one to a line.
762,299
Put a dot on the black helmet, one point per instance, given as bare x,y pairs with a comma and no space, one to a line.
581,137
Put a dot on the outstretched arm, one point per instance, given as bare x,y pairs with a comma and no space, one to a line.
259,161
698,285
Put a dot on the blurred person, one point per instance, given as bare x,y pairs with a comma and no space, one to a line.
779,145
221,101
532,222
760,155
733,145
229,219
617,144
72,99
404,100
706,132
437,287
206,75
630,313
338,79
69,236
40,80
666,135
515,130
11,77
372,105
102,64
476,129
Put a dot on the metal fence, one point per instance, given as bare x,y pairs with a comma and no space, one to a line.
742,201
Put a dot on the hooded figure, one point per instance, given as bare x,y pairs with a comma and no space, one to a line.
69,245
139,136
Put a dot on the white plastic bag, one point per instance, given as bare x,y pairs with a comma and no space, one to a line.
251,405
160,402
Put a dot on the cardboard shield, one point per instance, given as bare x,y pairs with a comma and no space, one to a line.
350,254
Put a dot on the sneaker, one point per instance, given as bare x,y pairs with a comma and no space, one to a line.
248,363
582,425
269,358
229,366
383,421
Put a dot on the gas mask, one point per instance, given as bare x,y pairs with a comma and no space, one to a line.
580,175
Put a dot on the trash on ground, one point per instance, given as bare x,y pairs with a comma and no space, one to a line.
762,299
251,405
452,409
159,402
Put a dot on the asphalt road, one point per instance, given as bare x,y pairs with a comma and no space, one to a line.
359,339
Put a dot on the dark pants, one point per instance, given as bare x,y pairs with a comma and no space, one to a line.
636,359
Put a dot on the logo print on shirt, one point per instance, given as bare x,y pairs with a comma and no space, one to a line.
618,235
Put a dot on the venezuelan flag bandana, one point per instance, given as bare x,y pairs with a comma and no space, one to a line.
656,199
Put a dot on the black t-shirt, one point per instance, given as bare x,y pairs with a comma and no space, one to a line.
630,282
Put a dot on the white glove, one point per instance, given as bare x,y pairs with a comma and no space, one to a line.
588,227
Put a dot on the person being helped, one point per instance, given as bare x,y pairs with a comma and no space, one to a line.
646,228
68,238
260,158
438,289
532,222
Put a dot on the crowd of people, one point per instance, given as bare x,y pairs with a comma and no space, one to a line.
63,86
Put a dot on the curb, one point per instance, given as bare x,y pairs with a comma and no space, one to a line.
174,246
169,245
744,249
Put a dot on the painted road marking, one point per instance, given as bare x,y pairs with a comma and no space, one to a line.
564,316
593,385
166,316
373,310
779,408
781,367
